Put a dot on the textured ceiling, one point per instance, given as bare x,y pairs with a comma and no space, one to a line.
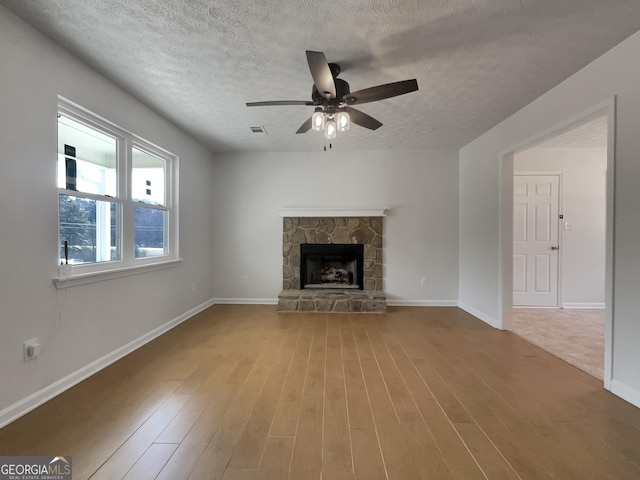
198,61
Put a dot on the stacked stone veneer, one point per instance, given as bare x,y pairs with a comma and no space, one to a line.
324,230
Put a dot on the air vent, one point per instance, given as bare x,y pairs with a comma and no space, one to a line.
258,130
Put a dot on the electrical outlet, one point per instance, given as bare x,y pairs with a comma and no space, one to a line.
424,281
31,349
245,279
193,286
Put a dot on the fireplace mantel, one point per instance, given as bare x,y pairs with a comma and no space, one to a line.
333,212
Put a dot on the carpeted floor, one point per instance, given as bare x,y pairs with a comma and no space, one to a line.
575,336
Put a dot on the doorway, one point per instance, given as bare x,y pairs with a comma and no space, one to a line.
525,283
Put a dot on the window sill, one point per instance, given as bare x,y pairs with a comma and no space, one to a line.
93,277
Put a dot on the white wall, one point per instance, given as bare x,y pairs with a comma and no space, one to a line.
582,250
615,73
420,231
79,325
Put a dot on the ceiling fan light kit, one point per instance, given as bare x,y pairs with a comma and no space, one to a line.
330,129
330,123
332,99
343,121
317,120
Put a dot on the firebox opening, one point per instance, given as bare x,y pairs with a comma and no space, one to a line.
332,266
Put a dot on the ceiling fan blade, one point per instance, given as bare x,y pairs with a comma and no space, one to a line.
321,74
278,103
305,127
362,119
381,92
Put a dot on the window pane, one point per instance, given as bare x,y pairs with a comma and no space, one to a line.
91,229
86,158
147,178
150,231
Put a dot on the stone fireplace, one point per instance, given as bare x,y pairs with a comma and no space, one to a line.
331,262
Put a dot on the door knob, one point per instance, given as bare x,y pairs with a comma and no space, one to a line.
555,247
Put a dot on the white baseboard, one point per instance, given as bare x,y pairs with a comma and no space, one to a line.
421,303
584,306
24,406
246,301
481,316
625,392
390,303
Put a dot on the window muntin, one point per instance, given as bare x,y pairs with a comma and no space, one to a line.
121,209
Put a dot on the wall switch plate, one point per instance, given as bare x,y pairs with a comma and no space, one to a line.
424,281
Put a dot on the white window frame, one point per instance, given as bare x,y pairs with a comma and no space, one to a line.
73,275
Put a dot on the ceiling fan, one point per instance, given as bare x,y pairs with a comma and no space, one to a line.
332,99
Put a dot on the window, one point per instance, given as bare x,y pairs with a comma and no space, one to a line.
148,187
115,195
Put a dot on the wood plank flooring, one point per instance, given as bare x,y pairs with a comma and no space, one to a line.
242,392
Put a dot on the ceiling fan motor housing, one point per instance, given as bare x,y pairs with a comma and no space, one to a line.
342,89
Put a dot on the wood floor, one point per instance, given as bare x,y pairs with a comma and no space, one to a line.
241,392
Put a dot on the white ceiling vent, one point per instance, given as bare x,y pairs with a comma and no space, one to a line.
258,130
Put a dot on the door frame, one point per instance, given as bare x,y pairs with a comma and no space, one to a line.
505,257
554,173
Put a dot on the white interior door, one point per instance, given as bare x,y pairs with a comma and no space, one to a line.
535,240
